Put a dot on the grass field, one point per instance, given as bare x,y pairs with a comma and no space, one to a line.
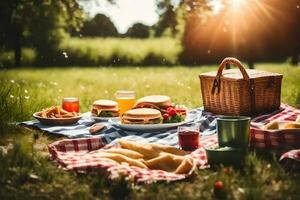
27,173
105,51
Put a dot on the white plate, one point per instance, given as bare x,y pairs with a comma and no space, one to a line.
98,119
151,127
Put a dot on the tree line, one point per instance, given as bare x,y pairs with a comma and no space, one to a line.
269,31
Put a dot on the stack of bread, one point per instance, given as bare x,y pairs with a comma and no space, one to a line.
149,155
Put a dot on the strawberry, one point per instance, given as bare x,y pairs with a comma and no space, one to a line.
166,116
218,185
172,112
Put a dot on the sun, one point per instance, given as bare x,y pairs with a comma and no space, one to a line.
237,4
234,5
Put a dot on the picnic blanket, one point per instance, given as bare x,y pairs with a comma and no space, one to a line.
74,154
206,121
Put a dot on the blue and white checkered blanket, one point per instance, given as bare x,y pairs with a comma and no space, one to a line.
205,120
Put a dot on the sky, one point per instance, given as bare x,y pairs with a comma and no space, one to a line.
125,13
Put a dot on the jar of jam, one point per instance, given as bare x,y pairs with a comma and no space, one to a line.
71,104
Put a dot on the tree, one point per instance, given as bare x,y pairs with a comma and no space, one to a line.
167,19
99,26
138,30
43,23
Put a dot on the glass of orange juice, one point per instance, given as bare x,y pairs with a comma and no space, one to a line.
125,99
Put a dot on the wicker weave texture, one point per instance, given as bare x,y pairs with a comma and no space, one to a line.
240,96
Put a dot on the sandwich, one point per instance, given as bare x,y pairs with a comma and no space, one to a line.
142,116
159,102
105,108
171,113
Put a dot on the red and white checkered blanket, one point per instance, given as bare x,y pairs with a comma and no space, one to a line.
77,154
279,140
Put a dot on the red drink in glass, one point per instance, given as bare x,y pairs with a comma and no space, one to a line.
71,104
188,138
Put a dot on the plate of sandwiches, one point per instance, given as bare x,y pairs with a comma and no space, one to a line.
104,110
153,113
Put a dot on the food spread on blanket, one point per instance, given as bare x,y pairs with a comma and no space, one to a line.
57,112
105,108
150,156
144,110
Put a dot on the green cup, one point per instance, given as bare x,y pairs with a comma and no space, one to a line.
233,131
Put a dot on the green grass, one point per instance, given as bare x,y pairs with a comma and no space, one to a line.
105,51
27,173
120,51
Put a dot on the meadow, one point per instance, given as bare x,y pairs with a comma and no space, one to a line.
27,173
105,51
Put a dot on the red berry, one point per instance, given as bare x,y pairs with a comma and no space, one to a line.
166,116
218,185
226,170
172,112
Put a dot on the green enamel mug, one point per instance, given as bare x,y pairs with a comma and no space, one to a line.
233,131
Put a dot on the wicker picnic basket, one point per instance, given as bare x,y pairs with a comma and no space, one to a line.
240,91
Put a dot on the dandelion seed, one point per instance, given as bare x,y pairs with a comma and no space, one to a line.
12,81
26,97
82,87
53,83
208,51
11,96
26,91
65,54
241,190
268,166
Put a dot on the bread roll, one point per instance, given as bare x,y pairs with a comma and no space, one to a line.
126,152
291,125
271,126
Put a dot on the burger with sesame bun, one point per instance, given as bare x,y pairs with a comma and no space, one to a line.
105,108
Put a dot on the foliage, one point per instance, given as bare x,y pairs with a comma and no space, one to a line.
41,24
27,173
98,26
167,20
138,30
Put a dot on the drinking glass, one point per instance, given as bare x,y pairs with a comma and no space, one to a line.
188,137
125,99
70,104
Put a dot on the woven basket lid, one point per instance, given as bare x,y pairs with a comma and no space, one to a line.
236,74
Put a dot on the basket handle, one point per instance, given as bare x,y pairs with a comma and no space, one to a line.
232,61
